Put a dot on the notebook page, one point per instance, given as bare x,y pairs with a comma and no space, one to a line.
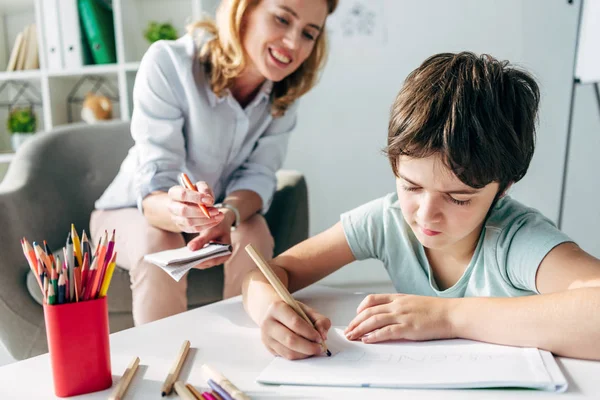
404,364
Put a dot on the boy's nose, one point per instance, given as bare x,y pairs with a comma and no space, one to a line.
428,212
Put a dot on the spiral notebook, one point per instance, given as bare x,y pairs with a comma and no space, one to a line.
439,364
177,262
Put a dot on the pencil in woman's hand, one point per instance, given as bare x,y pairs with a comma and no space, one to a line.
185,181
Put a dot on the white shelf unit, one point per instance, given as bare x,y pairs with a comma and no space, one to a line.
131,17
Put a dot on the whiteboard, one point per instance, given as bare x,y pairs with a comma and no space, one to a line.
587,68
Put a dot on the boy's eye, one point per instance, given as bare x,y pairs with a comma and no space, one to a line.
410,188
459,202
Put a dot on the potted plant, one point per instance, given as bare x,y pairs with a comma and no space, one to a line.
21,125
157,31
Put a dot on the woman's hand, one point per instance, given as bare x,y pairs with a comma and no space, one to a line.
287,334
186,213
382,317
220,233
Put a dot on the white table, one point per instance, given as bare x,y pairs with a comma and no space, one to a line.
223,336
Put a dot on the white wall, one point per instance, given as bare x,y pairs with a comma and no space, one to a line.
581,219
343,121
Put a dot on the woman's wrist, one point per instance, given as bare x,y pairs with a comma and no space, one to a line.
229,216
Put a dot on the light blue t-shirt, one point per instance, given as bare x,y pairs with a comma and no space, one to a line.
513,242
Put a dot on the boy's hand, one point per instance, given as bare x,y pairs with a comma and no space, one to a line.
287,334
384,317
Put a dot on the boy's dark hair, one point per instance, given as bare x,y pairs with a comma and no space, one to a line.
478,113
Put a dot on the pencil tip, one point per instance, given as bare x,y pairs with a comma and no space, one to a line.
328,353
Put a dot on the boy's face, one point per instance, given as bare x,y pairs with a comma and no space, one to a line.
443,212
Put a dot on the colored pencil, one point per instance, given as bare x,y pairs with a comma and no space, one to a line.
185,181
125,380
167,387
279,288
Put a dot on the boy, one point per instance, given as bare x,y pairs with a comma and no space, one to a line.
464,258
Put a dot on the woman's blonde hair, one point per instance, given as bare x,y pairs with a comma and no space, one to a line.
225,58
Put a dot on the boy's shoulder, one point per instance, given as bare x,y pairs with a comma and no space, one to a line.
509,212
378,207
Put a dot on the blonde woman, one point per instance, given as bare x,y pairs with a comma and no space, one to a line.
218,104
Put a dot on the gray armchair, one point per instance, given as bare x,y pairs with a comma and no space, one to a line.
52,182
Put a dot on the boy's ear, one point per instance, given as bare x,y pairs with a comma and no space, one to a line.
505,191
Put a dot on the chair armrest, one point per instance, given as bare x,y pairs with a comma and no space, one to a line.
288,215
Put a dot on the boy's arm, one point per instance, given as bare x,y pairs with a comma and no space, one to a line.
564,319
298,267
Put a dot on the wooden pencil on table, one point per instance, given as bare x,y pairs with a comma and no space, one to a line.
167,387
194,391
279,288
210,374
125,380
183,391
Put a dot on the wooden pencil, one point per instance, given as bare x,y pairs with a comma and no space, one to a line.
125,380
185,181
194,391
210,373
279,287
167,387
183,391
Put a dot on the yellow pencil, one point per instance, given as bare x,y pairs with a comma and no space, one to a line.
76,245
108,275
279,288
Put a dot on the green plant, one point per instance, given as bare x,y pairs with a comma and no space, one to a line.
157,31
22,120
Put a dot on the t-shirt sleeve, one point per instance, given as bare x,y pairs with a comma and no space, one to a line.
364,227
524,244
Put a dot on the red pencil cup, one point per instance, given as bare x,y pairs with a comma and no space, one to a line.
79,346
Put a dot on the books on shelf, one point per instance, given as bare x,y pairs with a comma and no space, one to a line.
24,54
98,26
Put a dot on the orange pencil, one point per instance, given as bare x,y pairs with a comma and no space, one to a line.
187,183
32,265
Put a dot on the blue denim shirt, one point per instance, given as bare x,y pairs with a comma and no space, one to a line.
180,125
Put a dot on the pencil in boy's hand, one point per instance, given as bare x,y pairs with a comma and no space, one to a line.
167,387
185,181
279,288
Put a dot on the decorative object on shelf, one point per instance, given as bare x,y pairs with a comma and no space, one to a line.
23,98
96,107
93,105
157,31
21,124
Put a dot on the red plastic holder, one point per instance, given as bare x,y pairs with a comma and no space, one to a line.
79,347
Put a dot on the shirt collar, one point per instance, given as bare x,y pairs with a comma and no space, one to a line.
263,93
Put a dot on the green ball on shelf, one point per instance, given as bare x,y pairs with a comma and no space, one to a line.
160,31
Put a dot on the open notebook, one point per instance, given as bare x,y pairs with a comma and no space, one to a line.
441,364
177,262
